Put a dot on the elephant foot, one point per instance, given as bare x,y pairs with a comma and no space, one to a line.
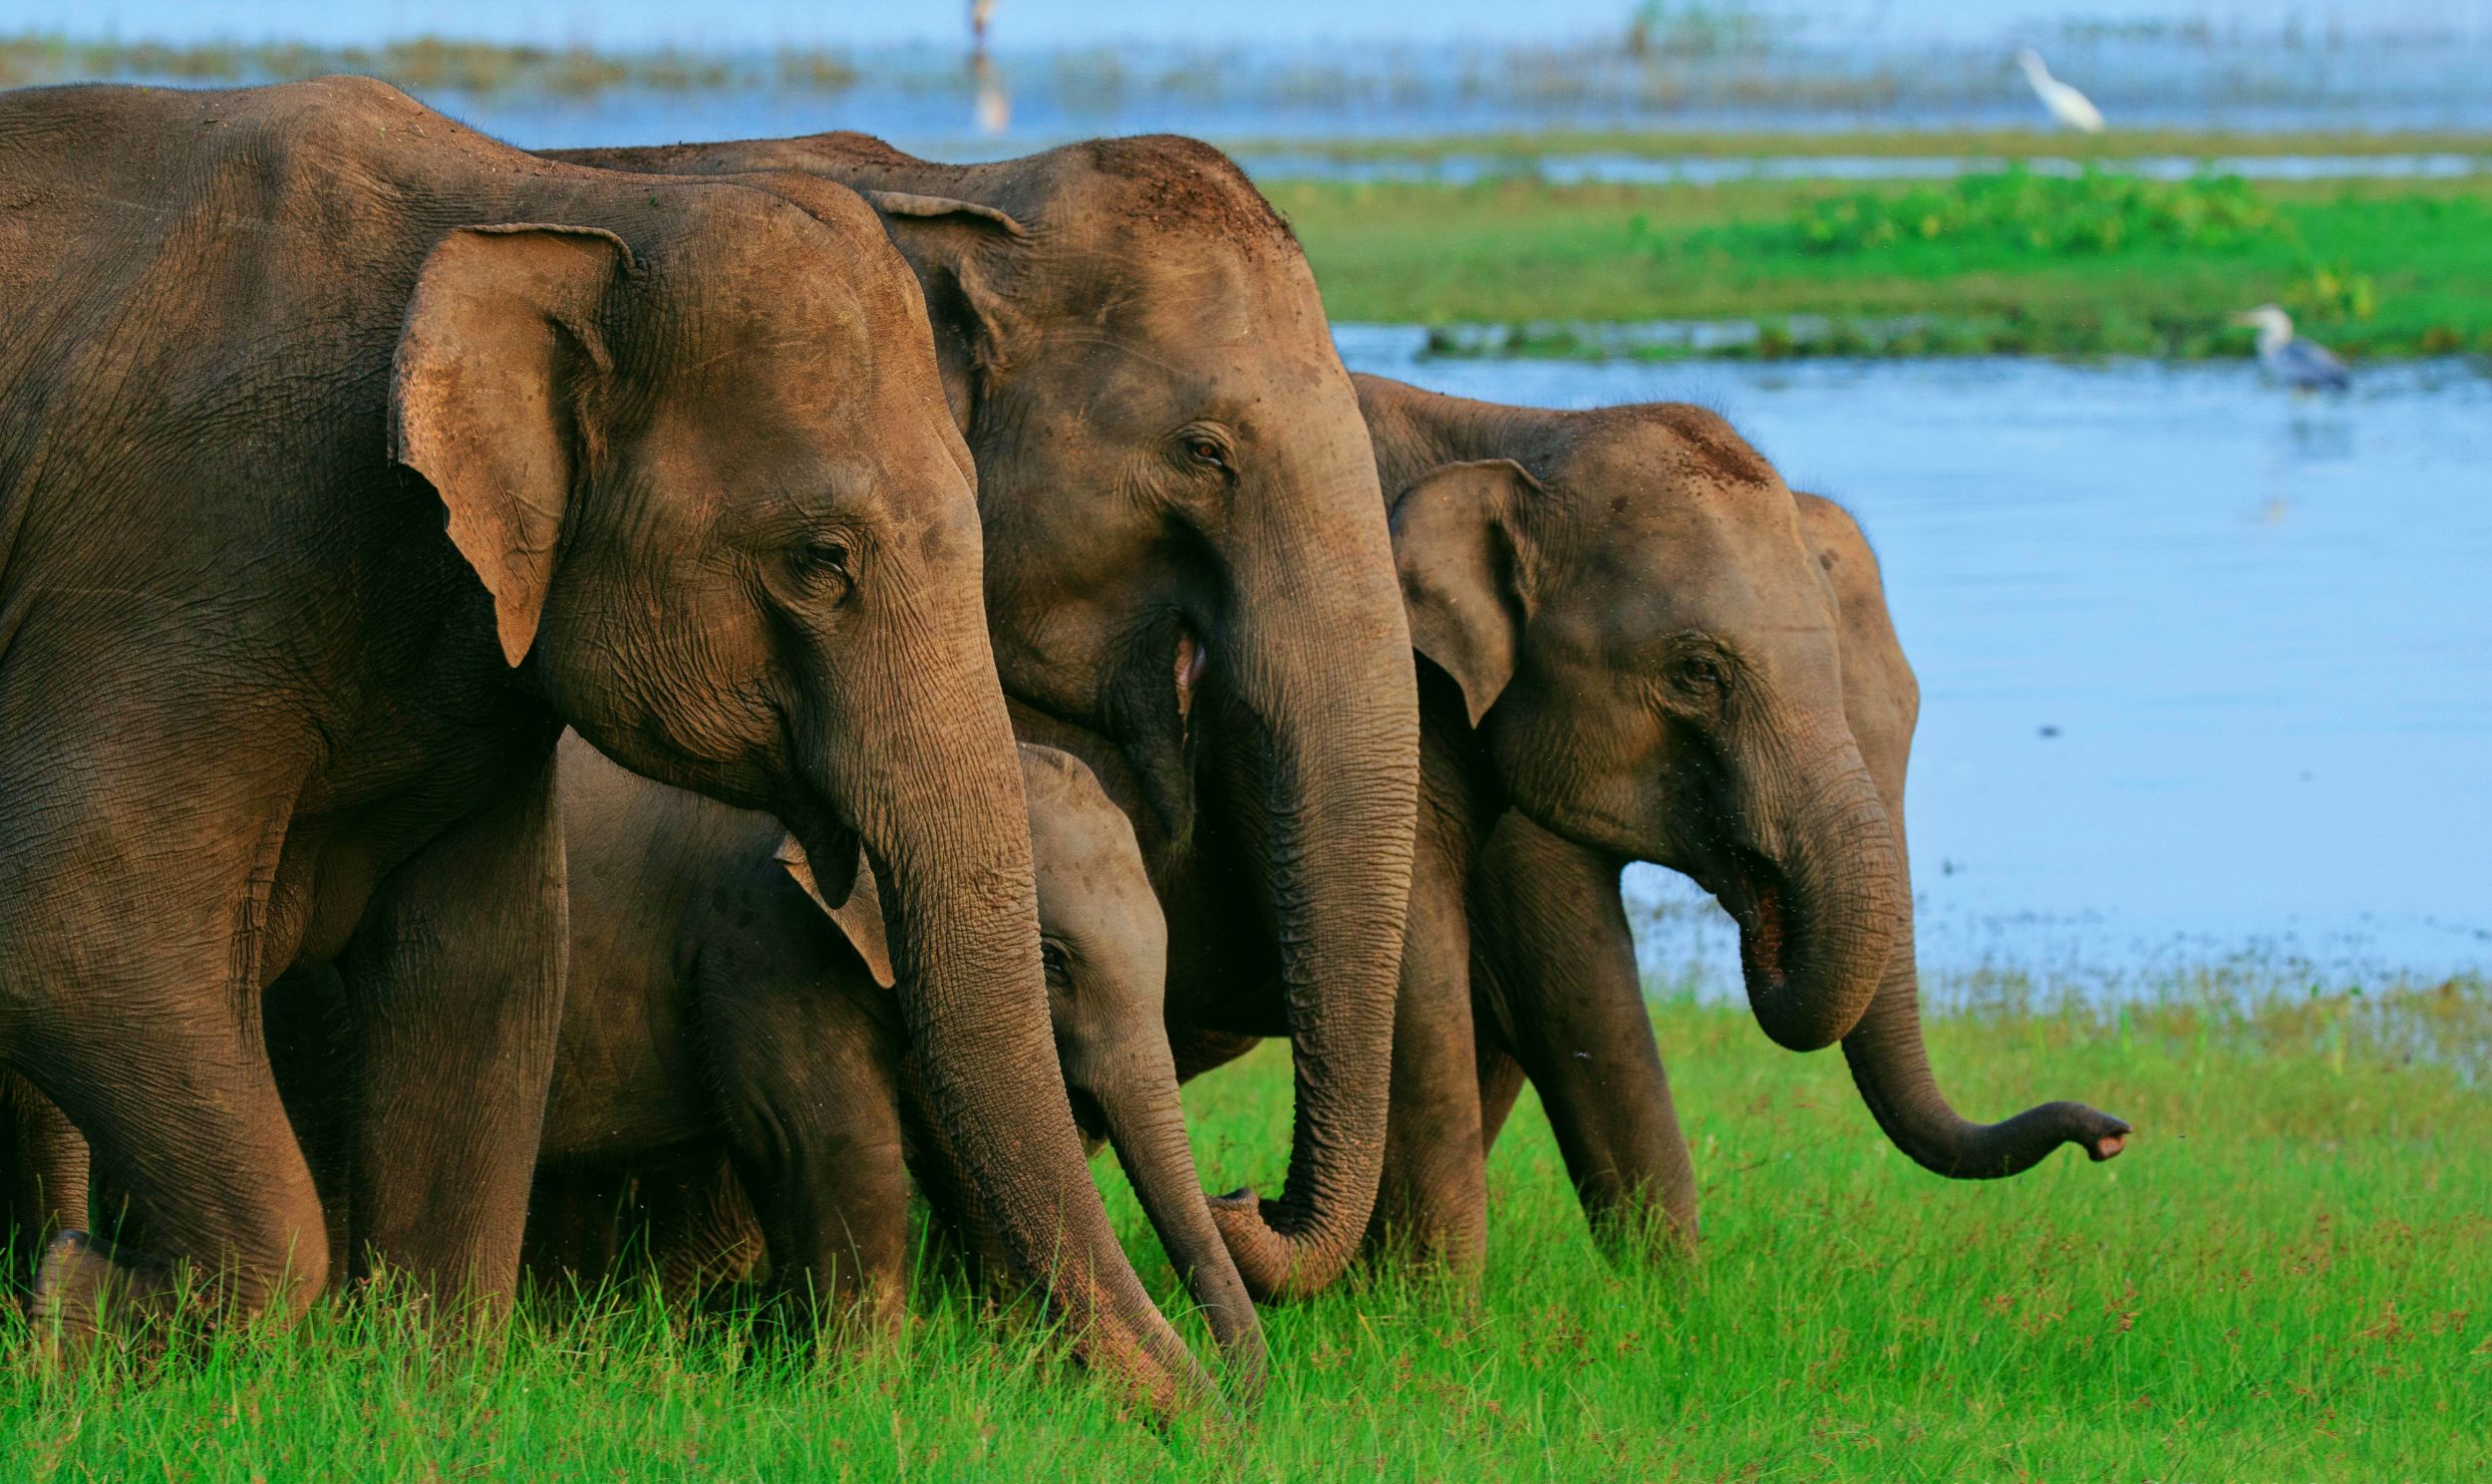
83,1278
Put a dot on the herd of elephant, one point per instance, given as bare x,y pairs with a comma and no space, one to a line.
673,701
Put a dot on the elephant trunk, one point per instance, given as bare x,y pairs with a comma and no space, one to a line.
947,833
1820,905
1890,1064
1332,789
1146,1124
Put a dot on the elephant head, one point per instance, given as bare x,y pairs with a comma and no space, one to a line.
729,531
1177,492
1106,949
1628,621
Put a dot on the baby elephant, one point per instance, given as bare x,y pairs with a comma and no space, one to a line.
727,1027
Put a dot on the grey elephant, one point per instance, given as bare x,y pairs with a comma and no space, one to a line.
719,1012
1634,651
264,709
1183,537
1552,952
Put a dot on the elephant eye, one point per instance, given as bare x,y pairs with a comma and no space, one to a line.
1051,959
825,561
1699,673
1206,452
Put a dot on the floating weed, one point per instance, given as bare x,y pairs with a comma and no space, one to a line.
2019,209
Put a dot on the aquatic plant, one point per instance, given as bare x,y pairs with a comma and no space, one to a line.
2054,215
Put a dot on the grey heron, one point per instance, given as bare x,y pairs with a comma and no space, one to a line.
2303,365
2067,104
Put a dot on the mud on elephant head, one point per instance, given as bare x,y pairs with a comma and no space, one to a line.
1178,494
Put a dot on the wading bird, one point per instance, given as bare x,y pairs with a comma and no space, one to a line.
2303,365
2067,104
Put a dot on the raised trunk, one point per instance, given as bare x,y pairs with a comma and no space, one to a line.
948,835
1334,792
1147,1125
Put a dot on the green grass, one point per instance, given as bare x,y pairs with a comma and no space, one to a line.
2282,1279
2376,268
1887,144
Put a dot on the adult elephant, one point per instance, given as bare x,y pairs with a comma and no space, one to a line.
1178,495
262,711
1633,645
1551,952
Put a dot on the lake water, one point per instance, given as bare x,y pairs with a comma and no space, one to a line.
2206,667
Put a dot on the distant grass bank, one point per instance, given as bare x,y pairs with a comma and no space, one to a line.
1872,144
2376,268
2282,1280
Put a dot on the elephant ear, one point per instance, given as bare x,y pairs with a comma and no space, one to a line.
859,915
956,249
1454,546
497,349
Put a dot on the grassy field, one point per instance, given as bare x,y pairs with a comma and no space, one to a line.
1883,143
2373,267
2282,1279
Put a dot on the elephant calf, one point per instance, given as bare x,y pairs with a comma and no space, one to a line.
729,1038
1641,645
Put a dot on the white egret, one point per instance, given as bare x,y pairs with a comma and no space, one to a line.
2067,104
2303,365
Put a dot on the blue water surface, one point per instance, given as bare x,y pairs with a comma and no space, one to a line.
2206,667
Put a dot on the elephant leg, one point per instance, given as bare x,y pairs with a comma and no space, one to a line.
129,1000
1432,1202
809,1095
1557,960
186,1130
43,1179
453,983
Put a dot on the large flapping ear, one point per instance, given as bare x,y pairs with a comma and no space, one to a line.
1454,544
497,348
859,913
952,245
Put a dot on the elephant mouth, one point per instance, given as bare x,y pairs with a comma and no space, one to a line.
1088,1116
1757,899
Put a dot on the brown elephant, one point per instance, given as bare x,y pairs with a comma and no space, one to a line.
718,1013
262,711
1634,653
1554,966
1178,498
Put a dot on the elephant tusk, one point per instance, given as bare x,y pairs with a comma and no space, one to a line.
1190,662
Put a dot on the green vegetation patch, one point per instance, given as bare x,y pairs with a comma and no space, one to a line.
2283,1279
2012,261
2042,214
1876,143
